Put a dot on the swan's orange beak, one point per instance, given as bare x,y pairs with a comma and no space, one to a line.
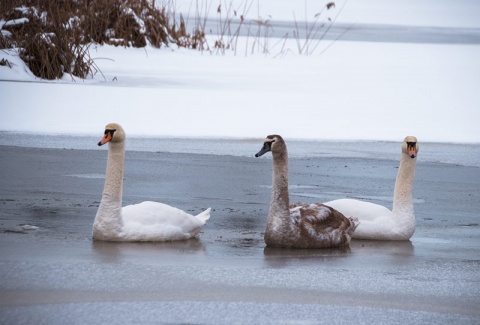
106,138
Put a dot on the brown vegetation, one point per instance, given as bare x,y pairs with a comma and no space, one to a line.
53,36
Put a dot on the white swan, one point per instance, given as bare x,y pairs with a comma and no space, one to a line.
376,221
146,221
300,225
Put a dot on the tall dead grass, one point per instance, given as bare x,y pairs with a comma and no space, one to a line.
53,36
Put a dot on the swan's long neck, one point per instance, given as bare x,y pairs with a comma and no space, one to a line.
110,209
280,201
403,193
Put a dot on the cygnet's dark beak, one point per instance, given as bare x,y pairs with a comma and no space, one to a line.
266,148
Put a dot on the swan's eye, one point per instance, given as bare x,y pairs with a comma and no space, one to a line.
411,144
110,131
269,144
269,141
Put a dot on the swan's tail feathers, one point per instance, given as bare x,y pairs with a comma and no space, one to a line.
354,221
204,216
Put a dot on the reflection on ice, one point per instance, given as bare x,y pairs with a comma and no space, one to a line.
116,251
305,253
398,252
404,247
281,257
394,247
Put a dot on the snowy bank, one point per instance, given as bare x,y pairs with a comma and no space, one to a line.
353,91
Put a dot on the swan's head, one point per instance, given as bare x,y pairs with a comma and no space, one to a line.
273,143
113,133
410,147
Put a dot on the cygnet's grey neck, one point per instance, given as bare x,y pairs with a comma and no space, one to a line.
280,198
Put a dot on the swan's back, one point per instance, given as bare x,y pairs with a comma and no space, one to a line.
364,211
376,221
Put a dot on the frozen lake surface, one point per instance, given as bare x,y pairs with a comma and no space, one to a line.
451,153
399,68
51,272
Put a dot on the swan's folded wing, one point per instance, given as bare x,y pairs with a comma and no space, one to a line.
153,221
151,213
322,223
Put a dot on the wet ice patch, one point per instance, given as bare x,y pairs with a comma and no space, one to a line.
382,198
19,229
329,196
28,227
470,225
302,186
431,240
292,187
89,176
310,195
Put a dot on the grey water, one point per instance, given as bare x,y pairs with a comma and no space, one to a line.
386,33
450,153
323,30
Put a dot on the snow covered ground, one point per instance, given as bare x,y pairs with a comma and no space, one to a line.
353,91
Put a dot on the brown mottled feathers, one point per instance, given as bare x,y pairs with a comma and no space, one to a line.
300,225
321,226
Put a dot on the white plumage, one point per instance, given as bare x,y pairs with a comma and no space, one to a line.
376,221
146,221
